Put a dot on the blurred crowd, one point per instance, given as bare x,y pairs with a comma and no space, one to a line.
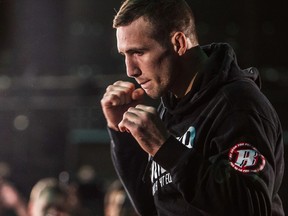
52,197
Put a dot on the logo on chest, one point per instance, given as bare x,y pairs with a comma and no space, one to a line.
159,176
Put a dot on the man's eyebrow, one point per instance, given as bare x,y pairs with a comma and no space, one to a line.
132,50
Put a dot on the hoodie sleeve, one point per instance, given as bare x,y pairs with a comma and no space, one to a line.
236,166
130,162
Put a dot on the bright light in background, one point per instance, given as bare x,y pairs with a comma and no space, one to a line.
86,173
21,122
64,177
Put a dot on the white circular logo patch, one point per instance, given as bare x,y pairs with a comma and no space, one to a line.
245,158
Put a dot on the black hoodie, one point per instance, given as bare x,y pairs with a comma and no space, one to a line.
225,154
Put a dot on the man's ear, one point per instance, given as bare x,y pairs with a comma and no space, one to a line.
179,42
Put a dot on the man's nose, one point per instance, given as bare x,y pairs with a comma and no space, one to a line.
132,68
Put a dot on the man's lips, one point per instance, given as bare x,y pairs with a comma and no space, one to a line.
144,83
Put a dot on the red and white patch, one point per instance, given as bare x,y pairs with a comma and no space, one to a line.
245,158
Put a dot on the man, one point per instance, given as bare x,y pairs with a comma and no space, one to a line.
214,147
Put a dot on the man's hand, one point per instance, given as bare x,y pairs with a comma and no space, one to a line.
145,126
118,98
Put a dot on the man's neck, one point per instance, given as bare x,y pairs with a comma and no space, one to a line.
191,62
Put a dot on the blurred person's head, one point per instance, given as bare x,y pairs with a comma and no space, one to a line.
40,186
49,198
116,201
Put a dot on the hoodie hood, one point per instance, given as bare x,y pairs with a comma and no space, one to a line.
221,68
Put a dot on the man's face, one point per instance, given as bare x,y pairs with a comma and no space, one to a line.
149,62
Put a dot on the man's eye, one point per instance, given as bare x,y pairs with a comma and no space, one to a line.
139,53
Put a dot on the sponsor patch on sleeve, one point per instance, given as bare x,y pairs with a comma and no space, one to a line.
245,158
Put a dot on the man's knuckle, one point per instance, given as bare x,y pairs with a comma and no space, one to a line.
118,82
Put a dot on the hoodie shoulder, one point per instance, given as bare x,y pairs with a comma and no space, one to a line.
245,95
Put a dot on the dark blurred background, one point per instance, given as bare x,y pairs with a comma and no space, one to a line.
57,57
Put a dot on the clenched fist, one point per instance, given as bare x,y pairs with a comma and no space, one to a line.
124,112
117,99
